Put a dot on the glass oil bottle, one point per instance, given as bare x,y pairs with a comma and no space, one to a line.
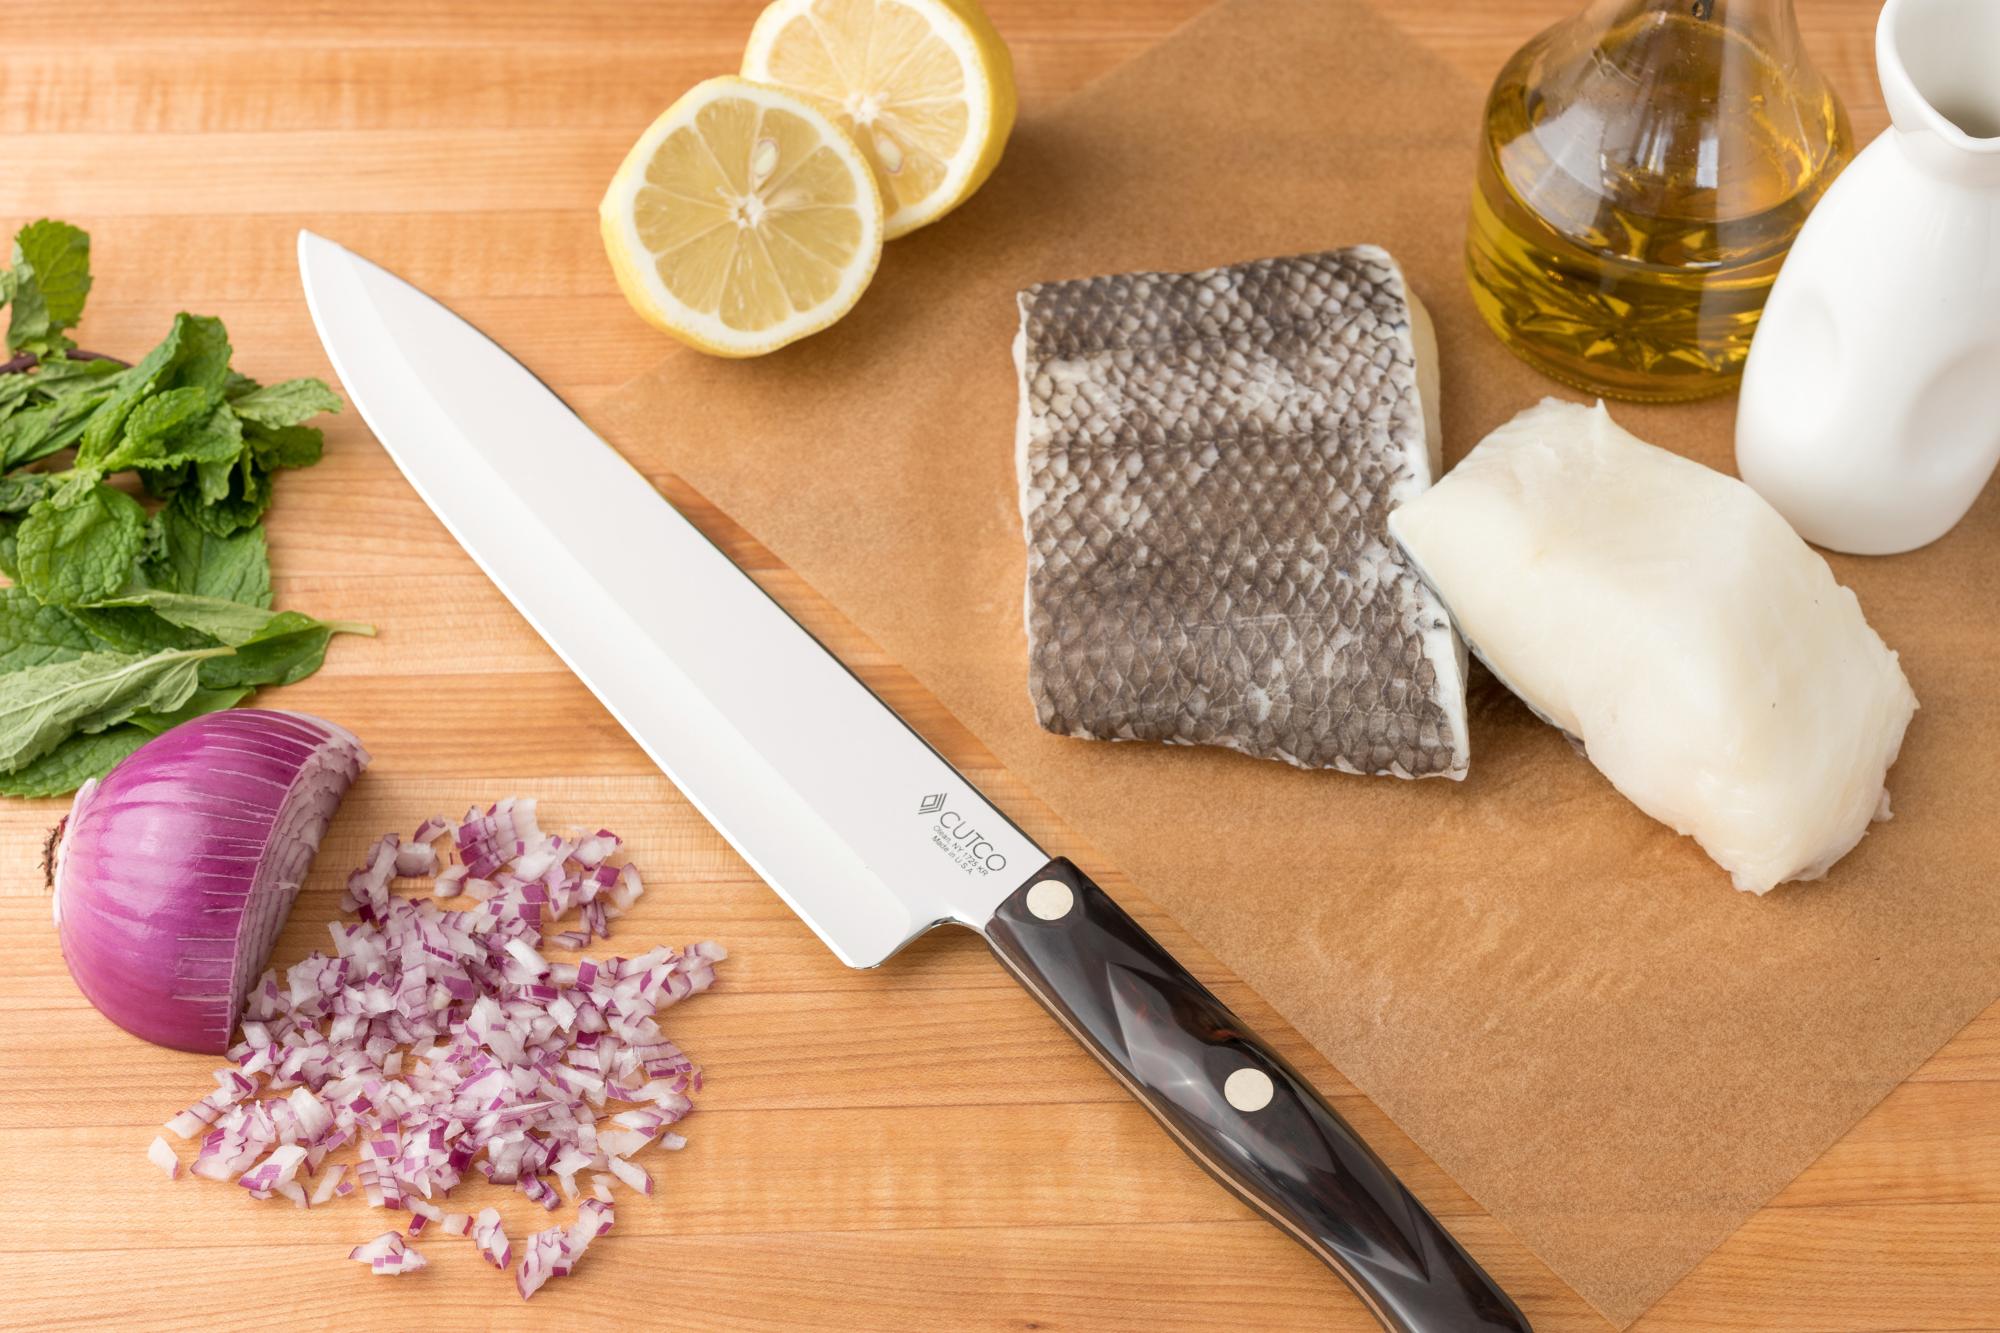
1643,169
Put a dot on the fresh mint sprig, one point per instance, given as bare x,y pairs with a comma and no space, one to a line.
125,617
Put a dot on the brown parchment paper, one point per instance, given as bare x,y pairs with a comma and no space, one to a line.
1565,1004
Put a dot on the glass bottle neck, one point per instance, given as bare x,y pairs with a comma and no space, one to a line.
1769,25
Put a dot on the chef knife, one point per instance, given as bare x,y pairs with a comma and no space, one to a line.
863,829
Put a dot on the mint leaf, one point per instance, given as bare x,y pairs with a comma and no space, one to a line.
288,404
107,425
194,354
37,432
191,560
164,413
248,496
32,634
46,409
201,701
213,477
79,544
59,375
219,435
42,706
20,491
164,483
59,257
210,437
21,434
15,387
74,762
135,629
292,648
29,328
273,647
277,447
204,359
47,286
233,623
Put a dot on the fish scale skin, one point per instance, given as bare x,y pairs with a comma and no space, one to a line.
1208,461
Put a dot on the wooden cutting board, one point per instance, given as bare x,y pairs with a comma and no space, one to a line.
914,1148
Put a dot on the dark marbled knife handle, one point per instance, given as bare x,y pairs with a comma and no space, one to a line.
1237,1108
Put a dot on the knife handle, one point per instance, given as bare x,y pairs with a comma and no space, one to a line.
1245,1115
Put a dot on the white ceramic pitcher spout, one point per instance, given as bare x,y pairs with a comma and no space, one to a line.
1870,413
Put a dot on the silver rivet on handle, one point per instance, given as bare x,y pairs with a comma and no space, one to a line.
1249,1089
1050,900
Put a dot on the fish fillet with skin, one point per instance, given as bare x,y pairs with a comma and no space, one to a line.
1666,616
1207,465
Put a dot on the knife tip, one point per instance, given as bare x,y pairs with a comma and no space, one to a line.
310,241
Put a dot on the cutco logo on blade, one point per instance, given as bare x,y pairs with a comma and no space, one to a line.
957,837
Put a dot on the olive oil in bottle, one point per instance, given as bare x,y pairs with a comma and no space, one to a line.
1644,168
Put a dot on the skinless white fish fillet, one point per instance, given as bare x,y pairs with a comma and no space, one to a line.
1667,617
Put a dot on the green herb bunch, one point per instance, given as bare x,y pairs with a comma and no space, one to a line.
126,618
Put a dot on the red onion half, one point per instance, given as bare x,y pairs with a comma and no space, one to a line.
173,875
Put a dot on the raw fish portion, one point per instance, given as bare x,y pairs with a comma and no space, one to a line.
1665,616
1207,465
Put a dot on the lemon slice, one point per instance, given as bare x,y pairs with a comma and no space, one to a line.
926,87
742,220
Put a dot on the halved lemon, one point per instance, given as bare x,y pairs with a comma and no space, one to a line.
926,87
742,220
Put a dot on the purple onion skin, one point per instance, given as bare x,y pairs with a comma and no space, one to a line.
174,873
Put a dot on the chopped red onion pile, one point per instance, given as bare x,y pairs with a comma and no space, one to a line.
440,1041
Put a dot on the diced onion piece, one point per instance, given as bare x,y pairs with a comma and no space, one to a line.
628,890
547,1255
524,954
384,1245
313,1117
329,1182
591,851
556,1251
387,1254
491,1239
161,1154
622,1142
635,1176
416,858
593,1219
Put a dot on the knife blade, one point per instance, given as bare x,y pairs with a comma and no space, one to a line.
860,826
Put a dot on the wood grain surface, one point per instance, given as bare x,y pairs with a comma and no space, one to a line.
913,1148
